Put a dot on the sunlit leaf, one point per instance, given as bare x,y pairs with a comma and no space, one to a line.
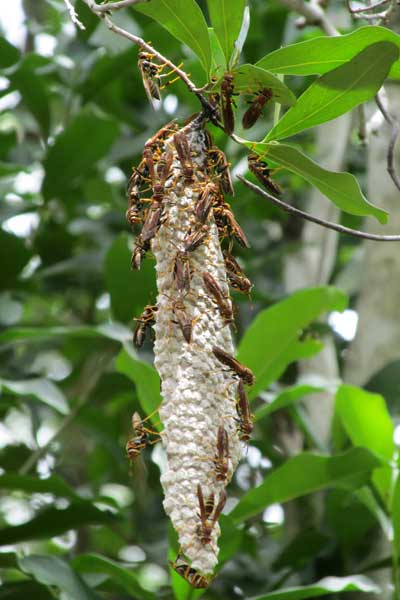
185,21
327,585
53,571
286,398
306,473
322,54
54,521
341,188
267,346
42,389
226,19
338,91
94,563
368,423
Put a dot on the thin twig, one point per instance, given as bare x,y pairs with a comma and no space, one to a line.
313,14
395,131
365,8
73,15
209,109
318,221
110,6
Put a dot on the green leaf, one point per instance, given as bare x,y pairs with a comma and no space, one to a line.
24,589
74,153
185,21
322,54
54,571
54,521
395,509
218,62
95,563
338,91
11,245
249,78
32,485
267,346
226,18
341,188
286,398
34,91
304,474
327,585
40,388
145,377
9,54
113,331
129,290
368,423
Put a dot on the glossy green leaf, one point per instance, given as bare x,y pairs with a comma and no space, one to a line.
53,571
73,153
226,19
218,62
144,376
9,54
267,346
323,54
54,521
368,423
304,474
185,21
395,510
338,91
327,585
341,188
286,398
249,78
33,485
40,388
130,290
95,563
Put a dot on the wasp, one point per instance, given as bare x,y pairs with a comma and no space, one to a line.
236,277
159,176
228,360
183,320
227,102
182,274
146,319
221,458
156,141
194,239
226,221
205,201
136,444
245,418
209,514
221,167
150,73
191,575
213,288
255,109
261,170
183,150
139,251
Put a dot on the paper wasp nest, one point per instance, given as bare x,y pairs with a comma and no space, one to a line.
199,409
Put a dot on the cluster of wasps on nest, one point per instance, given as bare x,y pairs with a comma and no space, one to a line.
168,150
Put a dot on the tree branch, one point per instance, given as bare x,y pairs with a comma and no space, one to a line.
395,126
313,14
318,221
209,109
110,6
73,15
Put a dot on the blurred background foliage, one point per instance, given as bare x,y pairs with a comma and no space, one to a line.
76,520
